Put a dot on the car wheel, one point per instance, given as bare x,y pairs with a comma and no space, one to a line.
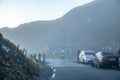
80,61
99,65
119,66
92,64
83,61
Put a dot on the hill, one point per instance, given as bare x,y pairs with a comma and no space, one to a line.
93,26
14,65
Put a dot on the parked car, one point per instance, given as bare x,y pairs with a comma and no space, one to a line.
119,58
86,56
105,59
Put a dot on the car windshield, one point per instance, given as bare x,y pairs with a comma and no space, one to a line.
89,53
59,39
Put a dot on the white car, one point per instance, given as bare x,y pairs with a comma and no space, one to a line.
86,56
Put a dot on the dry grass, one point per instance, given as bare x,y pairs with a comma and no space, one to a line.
8,43
34,64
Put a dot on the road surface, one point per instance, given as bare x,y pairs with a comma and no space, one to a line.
71,70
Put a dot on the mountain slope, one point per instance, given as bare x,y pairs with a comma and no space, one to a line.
92,26
13,64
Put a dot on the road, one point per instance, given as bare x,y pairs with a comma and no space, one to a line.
71,70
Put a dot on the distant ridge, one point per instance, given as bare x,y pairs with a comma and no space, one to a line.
93,26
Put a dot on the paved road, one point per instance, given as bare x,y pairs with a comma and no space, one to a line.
71,70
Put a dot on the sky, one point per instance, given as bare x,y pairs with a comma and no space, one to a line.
16,12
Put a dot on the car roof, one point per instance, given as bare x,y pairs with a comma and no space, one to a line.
88,51
106,53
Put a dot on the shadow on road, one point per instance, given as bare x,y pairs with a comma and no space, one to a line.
45,73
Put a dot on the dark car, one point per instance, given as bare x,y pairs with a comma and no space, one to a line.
119,58
105,59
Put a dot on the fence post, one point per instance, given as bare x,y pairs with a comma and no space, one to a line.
39,57
43,58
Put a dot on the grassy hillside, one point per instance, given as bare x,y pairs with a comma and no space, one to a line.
14,65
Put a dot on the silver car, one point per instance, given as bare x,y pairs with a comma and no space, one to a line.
86,56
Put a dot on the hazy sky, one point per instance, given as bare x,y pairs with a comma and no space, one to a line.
15,12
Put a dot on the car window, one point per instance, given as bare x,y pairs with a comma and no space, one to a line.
89,53
107,53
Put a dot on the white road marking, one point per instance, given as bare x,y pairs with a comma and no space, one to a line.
51,67
53,75
54,70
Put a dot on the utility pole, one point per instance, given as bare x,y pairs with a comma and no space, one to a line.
64,31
